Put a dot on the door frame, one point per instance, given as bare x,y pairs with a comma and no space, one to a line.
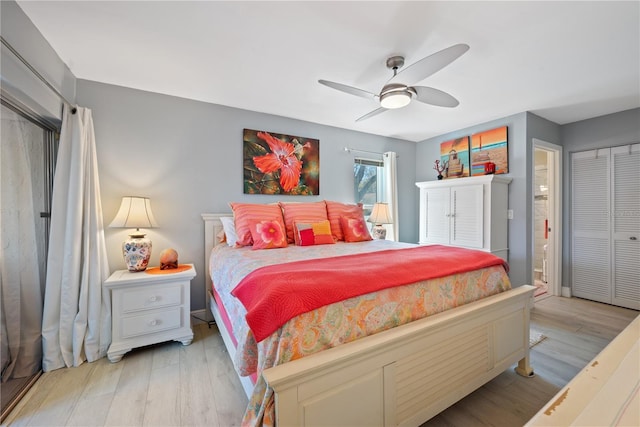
554,248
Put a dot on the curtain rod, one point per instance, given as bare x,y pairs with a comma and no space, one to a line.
37,74
349,150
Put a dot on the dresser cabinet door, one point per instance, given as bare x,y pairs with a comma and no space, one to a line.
467,216
438,208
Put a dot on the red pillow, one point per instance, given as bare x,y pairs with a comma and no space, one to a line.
268,234
316,233
335,210
354,229
245,214
308,212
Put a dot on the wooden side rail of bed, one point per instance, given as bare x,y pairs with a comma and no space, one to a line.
405,375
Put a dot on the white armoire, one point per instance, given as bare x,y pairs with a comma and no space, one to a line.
605,225
467,212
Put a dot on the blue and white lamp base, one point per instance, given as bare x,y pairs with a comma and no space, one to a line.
379,232
136,251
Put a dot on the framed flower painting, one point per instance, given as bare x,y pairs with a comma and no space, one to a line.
280,164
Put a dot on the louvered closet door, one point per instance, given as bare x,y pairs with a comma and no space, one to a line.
590,255
467,215
625,215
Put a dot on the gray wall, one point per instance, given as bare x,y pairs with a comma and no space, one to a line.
522,128
601,132
187,157
17,81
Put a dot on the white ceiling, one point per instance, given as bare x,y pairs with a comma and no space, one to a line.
564,61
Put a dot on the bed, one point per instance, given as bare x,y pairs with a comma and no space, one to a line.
400,375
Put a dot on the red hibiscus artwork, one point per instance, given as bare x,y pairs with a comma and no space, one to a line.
280,164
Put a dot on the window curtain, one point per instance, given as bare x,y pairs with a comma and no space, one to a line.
391,191
20,286
77,312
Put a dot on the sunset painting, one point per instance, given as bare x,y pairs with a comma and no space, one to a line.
280,164
489,152
455,155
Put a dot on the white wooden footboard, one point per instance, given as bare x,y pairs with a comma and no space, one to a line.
406,375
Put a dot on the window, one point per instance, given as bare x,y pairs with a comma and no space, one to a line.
368,182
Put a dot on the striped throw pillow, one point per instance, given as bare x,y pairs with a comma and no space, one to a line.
335,210
245,214
307,212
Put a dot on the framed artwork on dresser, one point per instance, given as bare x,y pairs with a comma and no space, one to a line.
489,152
455,155
275,163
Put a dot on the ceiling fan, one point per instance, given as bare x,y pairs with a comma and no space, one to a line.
395,94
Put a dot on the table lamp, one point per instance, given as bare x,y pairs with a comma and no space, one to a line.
135,212
380,215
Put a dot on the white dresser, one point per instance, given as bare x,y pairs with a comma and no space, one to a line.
149,308
467,212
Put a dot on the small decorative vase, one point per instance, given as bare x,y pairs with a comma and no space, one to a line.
137,251
440,177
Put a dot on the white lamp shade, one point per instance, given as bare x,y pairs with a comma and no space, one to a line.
380,214
135,212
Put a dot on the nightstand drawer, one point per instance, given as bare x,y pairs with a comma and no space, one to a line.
151,322
142,299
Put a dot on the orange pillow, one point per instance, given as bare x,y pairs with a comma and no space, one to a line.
335,210
245,214
307,212
268,234
315,233
354,229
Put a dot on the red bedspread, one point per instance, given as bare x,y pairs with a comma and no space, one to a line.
274,294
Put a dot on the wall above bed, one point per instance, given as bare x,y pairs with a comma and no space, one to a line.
191,153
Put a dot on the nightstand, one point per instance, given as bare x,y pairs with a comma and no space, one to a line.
149,308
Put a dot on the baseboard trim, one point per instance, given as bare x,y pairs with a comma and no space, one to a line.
566,292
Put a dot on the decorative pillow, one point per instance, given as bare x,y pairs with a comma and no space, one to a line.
246,213
308,212
229,228
335,210
313,233
354,229
268,234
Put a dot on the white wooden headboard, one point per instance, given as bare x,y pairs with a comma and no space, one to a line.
212,226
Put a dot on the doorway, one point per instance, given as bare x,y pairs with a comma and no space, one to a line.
27,156
547,219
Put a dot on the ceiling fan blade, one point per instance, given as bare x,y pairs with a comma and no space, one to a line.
348,89
371,114
430,65
432,96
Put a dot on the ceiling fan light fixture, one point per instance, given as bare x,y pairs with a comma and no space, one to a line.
395,99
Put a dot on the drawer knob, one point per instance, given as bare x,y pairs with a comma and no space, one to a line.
154,298
154,322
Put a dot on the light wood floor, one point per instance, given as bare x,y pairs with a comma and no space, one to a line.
172,385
